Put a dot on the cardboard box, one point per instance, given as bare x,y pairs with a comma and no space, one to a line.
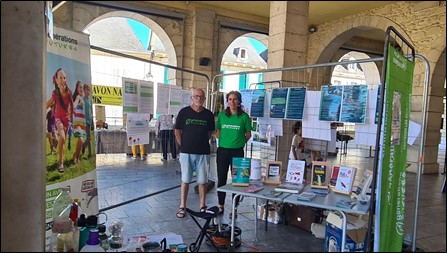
355,237
302,216
273,216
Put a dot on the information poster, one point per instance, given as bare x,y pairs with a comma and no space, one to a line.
257,103
353,106
246,96
278,103
137,128
162,98
175,99
295,103
146,97
186,98
130,95
330,103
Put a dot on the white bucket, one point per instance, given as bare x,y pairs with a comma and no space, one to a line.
256,172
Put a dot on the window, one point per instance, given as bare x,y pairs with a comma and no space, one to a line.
243,54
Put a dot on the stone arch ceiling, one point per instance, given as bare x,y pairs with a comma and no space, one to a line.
162,41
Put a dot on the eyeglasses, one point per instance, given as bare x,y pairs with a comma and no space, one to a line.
198,97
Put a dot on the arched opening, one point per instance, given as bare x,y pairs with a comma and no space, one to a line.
245,53
128,36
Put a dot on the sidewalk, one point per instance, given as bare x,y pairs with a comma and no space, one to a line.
155,186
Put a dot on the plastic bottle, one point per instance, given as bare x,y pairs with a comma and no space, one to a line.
92,223
61,224
116,238
62,236
80,223
93,242
103,237
74,215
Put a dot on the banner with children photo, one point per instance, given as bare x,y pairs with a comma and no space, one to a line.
70,142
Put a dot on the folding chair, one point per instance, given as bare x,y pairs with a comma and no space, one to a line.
208,215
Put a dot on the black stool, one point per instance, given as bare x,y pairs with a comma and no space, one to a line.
208,215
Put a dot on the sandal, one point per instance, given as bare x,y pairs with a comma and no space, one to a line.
203,209
231,215
60,167
181,213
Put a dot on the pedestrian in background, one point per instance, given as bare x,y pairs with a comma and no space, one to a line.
165,130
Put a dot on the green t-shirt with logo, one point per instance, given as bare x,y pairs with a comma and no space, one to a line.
233,129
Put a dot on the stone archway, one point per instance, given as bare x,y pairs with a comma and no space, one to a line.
155,27
167,29
323,46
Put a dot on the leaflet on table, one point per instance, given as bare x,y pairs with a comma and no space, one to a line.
289,187
306,196
254,188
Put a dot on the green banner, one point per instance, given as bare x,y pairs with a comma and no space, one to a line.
399,78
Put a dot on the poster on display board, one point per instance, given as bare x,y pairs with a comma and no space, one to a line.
175,99
146,97
186,98
258,103
295,103
130,94
137,128
70,105
330,103
162,99
253,102
246,97
353,105
278,103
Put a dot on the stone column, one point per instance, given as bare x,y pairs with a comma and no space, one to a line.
288,35
199,44
23,149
